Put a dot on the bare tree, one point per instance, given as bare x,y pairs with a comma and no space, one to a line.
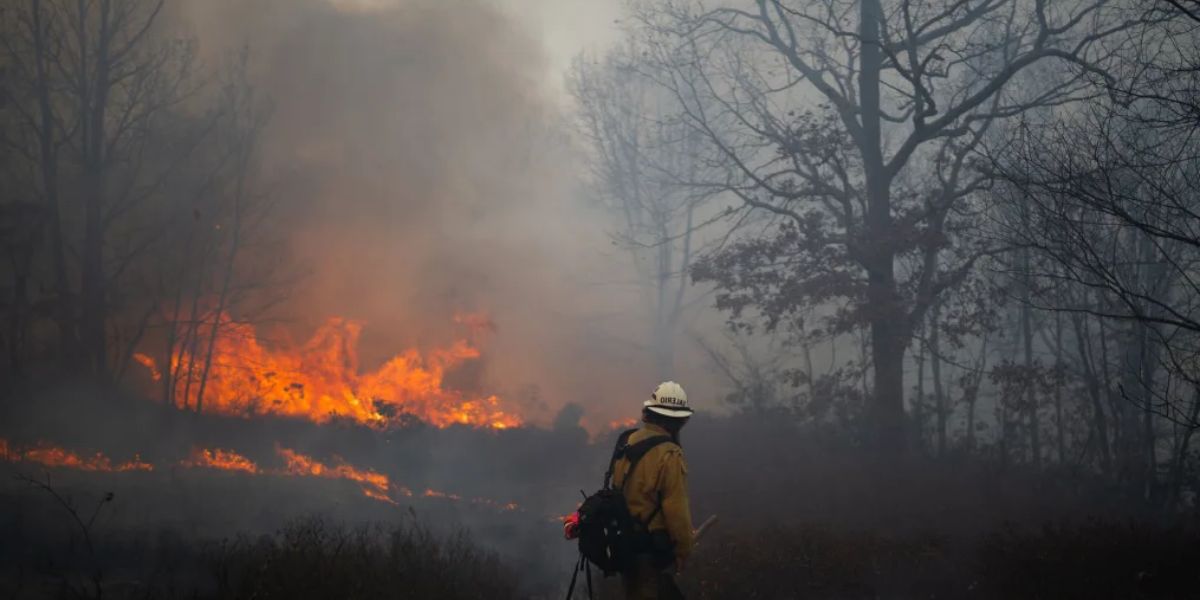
641,158
143,169
225,265
99,88
32,44
820,109
244,206
1109,189
21,227
118,79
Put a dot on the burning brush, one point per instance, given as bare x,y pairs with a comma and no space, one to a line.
321,380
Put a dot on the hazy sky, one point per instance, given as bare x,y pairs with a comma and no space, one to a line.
563,27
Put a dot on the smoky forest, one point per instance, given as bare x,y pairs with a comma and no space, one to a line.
353,299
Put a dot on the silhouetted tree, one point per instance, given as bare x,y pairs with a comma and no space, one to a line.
855,124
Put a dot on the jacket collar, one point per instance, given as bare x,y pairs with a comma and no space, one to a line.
655,429
652,430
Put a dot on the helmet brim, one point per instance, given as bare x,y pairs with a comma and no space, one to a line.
674,413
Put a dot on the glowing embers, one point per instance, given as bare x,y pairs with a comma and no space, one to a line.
374,485
488,502
47,455
321,381
225,460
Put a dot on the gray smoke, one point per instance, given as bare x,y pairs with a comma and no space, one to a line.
424,167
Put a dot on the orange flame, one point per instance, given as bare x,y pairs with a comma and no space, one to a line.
320,381
137,464
506,506
623,424
373,485
436,494
55,457
146,361
226,460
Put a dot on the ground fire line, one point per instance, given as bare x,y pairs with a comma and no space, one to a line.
371,483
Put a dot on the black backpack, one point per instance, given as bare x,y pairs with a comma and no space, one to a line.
609,535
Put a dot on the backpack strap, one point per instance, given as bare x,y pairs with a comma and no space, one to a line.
618,451
635,452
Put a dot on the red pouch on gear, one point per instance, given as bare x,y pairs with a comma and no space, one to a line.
571,526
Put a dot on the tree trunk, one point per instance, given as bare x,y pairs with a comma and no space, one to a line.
972,392
1031,392
18,318
1116,410
806,349
48,158
188,347
663,328
939,396
1150,358
1155,277
674,311
1134,398
887,319
174,346
1003,411
918,403
1182,449
1099,421
169,369
1058,386
94,311
235,247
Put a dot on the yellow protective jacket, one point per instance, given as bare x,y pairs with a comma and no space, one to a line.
661,471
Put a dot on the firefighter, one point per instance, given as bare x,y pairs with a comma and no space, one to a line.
657,495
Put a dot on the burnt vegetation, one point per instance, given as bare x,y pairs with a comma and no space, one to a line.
937,260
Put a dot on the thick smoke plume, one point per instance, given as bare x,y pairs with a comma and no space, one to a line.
423,171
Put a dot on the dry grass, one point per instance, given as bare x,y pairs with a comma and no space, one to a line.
1095,559
312,558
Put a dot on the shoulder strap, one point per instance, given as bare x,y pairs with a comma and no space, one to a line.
635,452
618,450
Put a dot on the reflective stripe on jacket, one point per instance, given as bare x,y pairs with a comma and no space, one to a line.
661,471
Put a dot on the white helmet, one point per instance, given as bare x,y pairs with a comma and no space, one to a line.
669,400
